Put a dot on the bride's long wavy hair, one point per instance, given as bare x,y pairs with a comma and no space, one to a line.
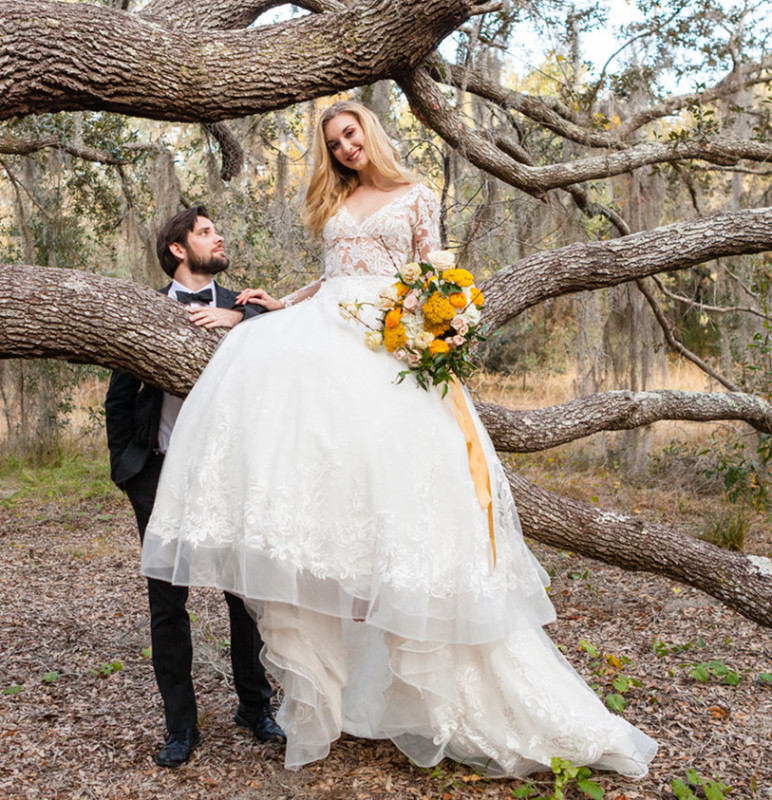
331,183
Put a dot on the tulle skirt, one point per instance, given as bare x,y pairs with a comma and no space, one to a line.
340,504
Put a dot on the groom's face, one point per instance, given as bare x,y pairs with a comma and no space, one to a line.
204,250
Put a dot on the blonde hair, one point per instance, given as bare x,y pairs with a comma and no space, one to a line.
331,182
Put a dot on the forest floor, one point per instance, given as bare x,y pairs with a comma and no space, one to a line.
80,716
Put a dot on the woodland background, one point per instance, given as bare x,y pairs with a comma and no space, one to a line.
88,190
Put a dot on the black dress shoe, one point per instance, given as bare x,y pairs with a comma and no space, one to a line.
261,723
178,747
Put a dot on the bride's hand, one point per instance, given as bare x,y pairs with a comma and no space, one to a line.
259,297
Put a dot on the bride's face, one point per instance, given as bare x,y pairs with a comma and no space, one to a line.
346,141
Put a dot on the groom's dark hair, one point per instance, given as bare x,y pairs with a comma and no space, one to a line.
177,230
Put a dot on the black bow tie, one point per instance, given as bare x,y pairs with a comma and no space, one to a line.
204,297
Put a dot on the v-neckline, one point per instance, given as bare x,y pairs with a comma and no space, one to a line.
378,210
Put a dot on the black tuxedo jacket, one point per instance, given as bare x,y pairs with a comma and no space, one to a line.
133,409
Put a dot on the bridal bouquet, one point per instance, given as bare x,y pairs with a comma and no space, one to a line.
428,320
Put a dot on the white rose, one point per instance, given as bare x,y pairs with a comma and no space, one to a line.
458,340
411,272
460,325
413,359
400,354
423,339
345,310
387,298
373,339
471,314
441,259
412,325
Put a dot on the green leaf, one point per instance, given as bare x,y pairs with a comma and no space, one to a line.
591,789
616,702
147,652
14,689
588,648
682,791
50,677
621,683
692,776
700,673
766,677
524,791
714,791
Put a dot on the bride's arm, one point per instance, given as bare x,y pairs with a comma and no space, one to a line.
426,224
261,297
302,294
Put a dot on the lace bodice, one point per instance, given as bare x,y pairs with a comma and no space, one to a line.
407,228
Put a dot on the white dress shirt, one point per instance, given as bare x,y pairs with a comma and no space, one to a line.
172,404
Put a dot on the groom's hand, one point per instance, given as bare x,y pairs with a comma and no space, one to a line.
213,317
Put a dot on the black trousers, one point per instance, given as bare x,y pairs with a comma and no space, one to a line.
170,630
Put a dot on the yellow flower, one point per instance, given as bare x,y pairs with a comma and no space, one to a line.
438,309
437,347
393,318
402,290
477,296
457,300
436,329
461,277
394,338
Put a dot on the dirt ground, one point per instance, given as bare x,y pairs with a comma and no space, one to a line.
73,608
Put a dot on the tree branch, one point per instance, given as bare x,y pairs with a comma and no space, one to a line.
14,145
744,583
210,14
536,430
546,111
589,266
432,106
50,59
705,307
670,338
47,312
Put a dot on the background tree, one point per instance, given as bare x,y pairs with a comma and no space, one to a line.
588,181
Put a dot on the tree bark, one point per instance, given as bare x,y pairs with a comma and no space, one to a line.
535,430
742,582
591,266
50,59
90,319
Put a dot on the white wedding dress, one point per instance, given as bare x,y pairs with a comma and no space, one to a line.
340,505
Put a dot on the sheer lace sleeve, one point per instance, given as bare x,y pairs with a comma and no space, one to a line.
309,290
425,213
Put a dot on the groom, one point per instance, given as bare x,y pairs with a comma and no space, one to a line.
139,420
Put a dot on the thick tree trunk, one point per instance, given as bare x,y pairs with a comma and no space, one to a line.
742,582
51,59
90,319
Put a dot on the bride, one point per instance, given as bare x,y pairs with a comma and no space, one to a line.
341,506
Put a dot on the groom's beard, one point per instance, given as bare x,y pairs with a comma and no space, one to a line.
208,266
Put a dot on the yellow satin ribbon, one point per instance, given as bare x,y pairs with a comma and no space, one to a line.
478,466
